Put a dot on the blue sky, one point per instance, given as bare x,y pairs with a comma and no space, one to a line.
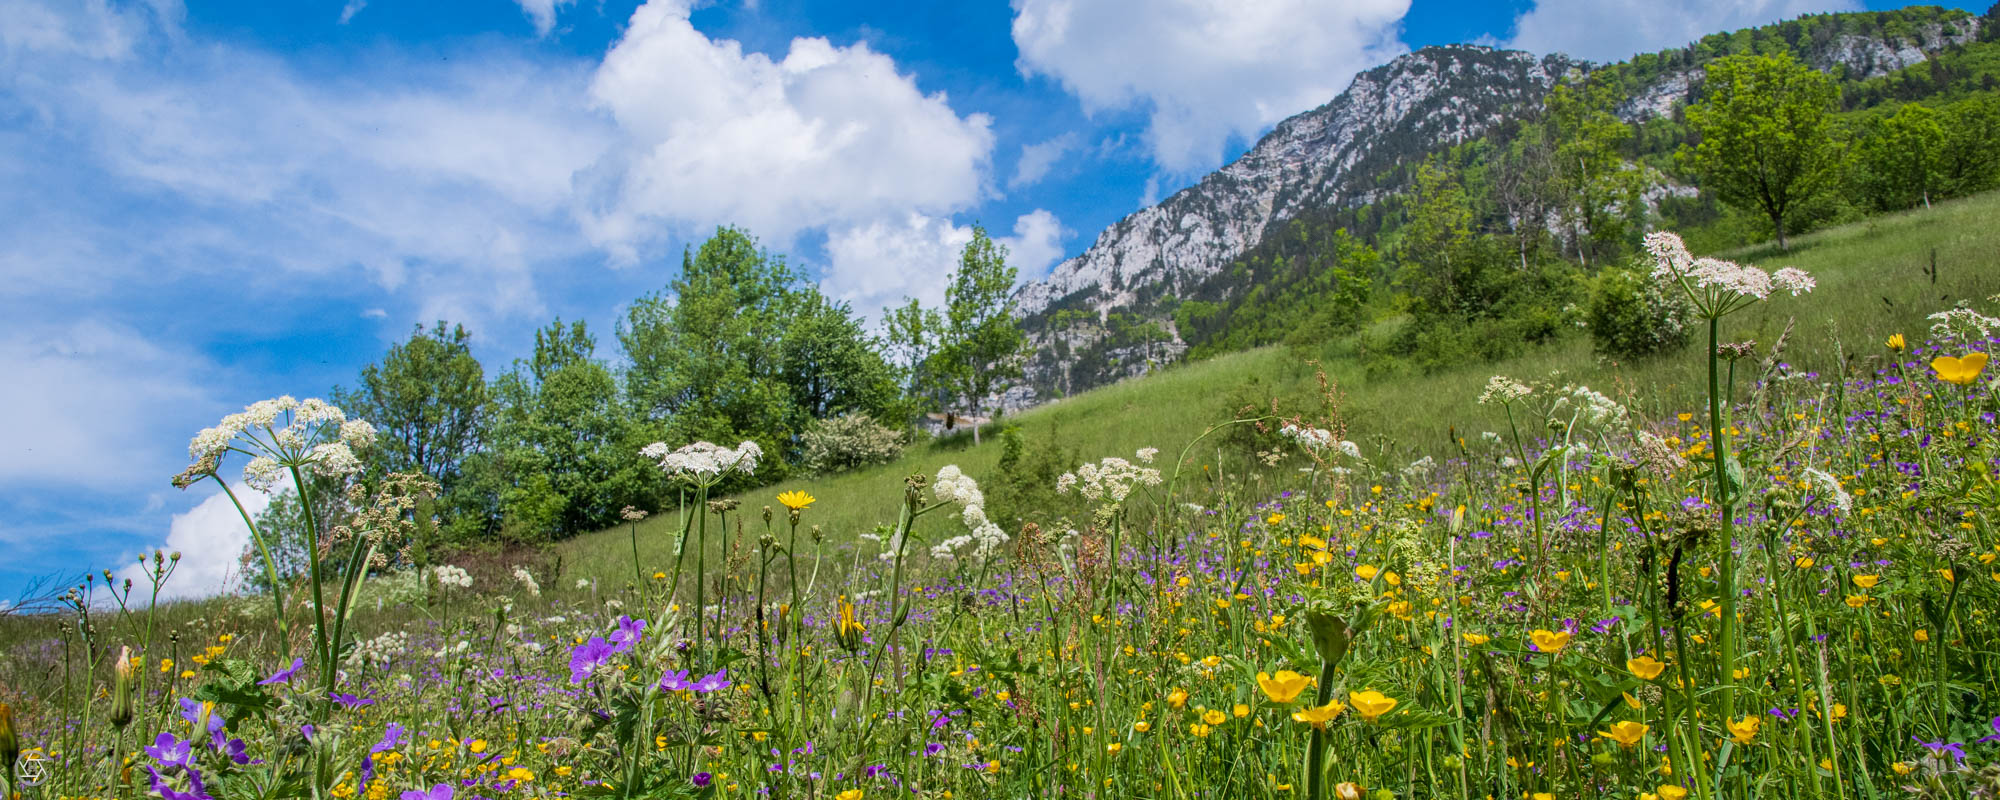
204,204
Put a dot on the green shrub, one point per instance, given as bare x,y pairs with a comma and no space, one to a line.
1631,316
850,441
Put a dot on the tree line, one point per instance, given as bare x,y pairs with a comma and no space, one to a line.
738,345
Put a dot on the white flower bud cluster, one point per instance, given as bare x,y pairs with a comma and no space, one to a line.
527,581
1110,478
705,460
379,650
952,485
1592,408
450,575
1963,325
1319,439
316,436
1503,390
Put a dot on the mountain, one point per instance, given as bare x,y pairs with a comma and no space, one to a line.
1106,313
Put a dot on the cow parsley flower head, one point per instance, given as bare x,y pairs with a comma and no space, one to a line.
1963,325
1110,479
1503,390
704,462
1715,286
449,575
1592,407
1308,437
279,434
263,473
952,485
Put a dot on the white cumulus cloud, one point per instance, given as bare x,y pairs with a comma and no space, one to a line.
1205,69
827,135
542,13
1038,158
1613,30
877,265
211,538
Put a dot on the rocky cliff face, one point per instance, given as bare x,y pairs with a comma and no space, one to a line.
1434,97
1328,157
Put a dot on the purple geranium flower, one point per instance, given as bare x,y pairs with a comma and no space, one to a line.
442,791
629,632
171,752
587,656
345,700
284,675
1996,732
166,789
238,752
194,710
675,680
1940,748
712,682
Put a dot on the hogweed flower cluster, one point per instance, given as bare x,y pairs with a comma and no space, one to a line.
1715,286
1319,440
954,486
280,434
1111,478
704,463
1503,390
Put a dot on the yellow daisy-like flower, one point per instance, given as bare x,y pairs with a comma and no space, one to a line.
1895,342
1646,667
1285,687
1551,642
1961,370
1371,704
796,500
1319,716
1745,729
1626,733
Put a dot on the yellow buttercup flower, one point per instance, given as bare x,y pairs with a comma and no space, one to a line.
1895,342
1669,791
1177,698
1319,716
1551,642
1366,571
1961,370
1867,581
1285,687
796,500
1371,704
1626,733
1646,667
1347,790
851,794
1745,729
1477,639
1214,716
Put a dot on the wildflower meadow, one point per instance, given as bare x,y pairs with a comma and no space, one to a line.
1787,591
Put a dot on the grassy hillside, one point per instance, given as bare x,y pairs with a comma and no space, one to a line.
1873,281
